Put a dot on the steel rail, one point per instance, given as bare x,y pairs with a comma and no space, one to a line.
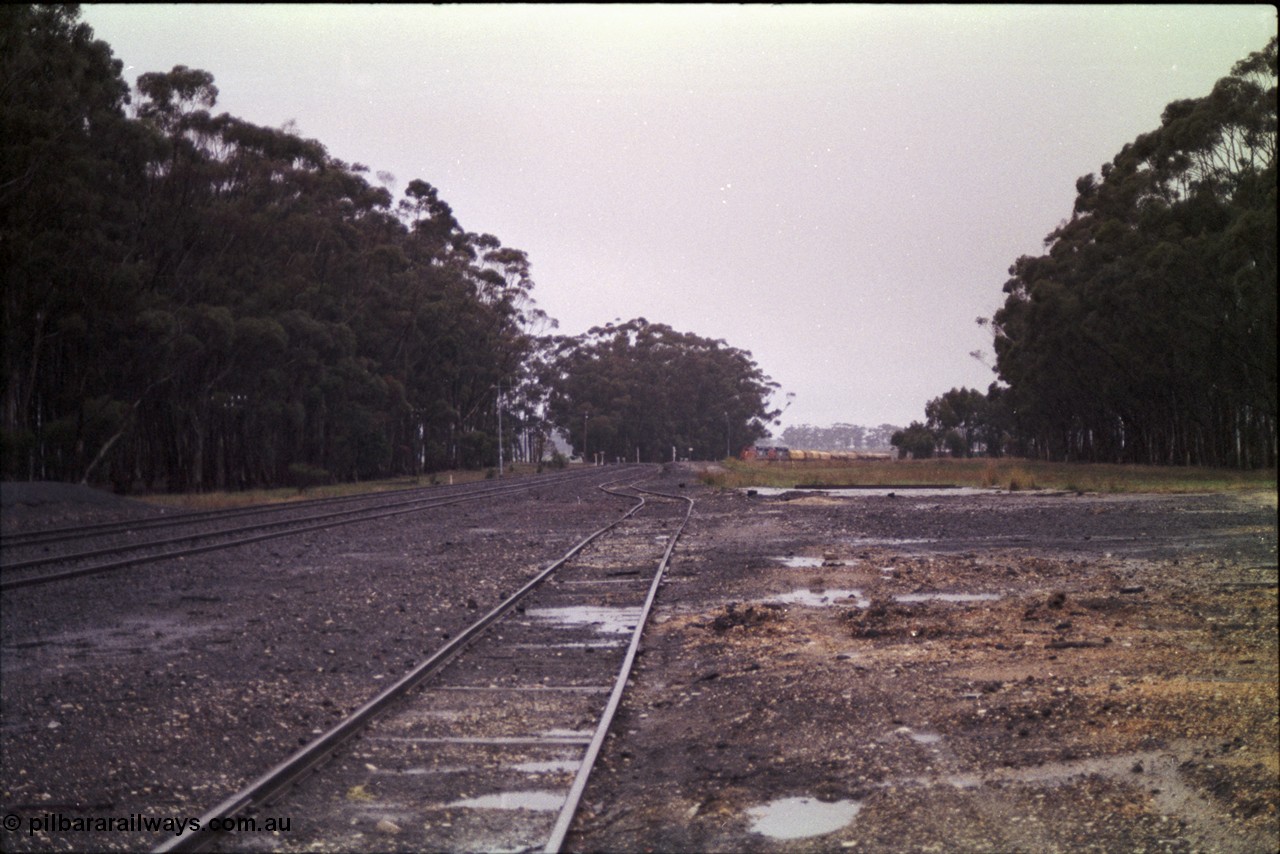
26,539
419,503
323,746
570,807
423,504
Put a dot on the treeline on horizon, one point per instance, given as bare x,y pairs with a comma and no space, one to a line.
1147,331
839,437
192,301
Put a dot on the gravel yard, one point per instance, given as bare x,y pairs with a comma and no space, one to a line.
162,689
1005,672
987,672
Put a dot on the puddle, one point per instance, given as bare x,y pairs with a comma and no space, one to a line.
537,801
798,562
876,491
595,644
796,818
962,781
947,597
558,766
887,541
132,636
821,598
604,620
1161,770
920,736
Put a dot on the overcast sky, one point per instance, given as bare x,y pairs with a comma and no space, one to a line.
839,190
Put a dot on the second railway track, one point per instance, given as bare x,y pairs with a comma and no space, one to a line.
487,745
46,557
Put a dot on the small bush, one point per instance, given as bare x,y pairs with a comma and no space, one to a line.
1021,479
708,478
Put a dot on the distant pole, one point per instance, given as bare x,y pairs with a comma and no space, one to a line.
499,431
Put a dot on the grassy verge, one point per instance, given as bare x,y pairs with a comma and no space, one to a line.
1002,474
221,500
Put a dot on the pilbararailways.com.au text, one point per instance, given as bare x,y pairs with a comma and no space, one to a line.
137,823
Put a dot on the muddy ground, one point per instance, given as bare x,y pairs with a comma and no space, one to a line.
1111,684
1106,678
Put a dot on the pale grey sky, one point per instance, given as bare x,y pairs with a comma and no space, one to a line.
838,189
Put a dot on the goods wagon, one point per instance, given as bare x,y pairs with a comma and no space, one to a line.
764,452
770,452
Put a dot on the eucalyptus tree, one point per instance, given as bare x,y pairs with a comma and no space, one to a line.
640,389
962,412
1147,332
71,165
195,301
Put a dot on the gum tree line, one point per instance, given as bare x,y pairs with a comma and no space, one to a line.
839,437
641,390
195,301
192,301
1147,331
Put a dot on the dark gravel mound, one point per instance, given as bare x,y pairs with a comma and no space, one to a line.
45,504
36,493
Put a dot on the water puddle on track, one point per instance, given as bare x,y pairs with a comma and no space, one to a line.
605,620
797,818
535,801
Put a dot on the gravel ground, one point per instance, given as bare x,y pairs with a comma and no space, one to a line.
1105,680
160,690
42,505
1117,688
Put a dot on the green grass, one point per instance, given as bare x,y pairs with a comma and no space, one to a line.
220,500
1002,474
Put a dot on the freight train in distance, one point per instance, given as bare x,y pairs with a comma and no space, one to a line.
777,452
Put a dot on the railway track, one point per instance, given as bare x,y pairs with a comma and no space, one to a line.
44,557
488,744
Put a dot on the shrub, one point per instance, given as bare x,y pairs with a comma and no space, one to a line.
1021,479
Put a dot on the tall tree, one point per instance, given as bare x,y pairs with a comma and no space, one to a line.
1147,333
70,170
640,389
193,301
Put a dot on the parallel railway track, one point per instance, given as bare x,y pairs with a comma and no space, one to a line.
49,556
